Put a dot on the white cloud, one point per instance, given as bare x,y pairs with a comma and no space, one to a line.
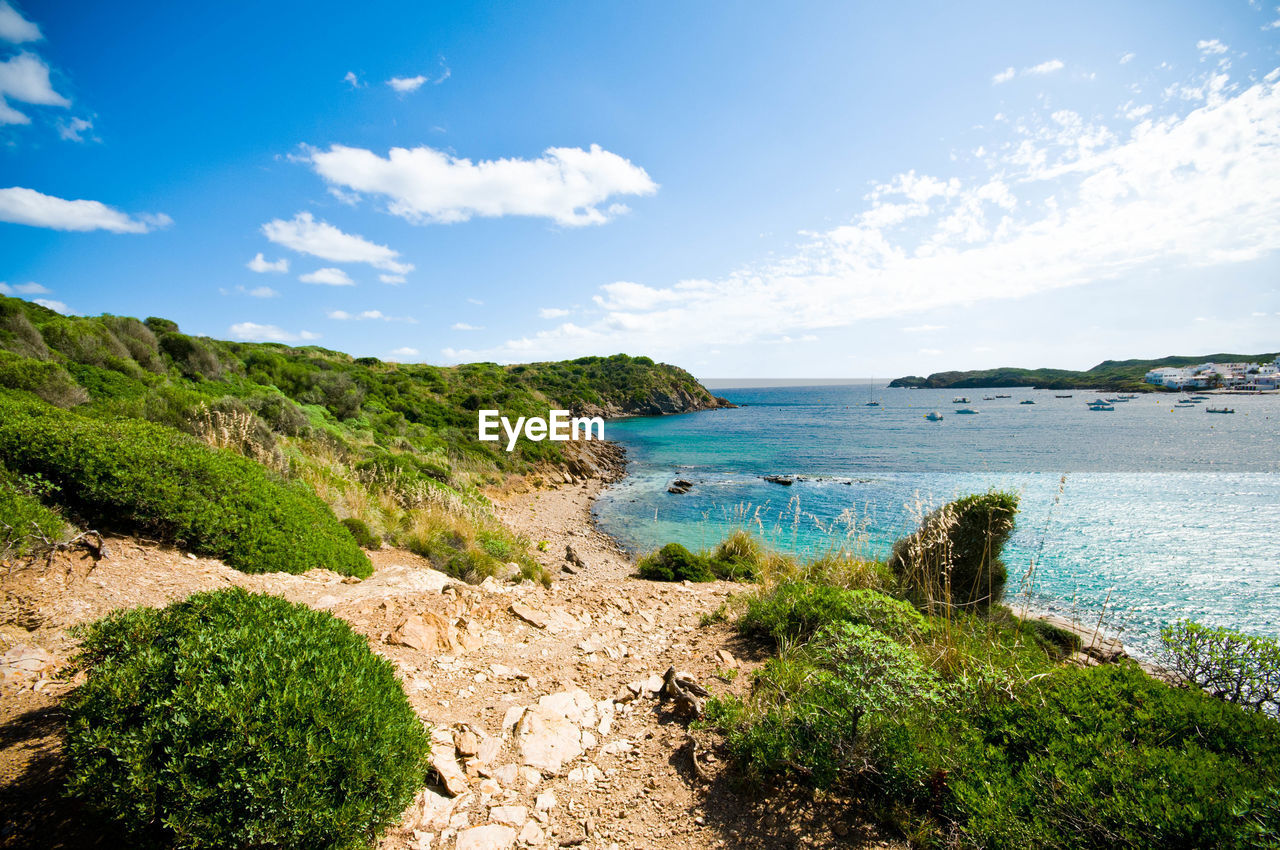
262,265
328,277
552,313
404,85
252,331
14,28
929,352
1047,67
343,315
1066,202
463,326
1004,76
320,239
27,206
256,292
1211,47
55,306
1127,58
74,130
920,329
475,301
391,278
25,78
405,352
31,288
352,80
422,184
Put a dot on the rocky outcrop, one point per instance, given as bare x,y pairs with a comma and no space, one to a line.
658,403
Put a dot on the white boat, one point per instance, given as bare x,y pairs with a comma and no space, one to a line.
969,410
933,416
1101,405
960,399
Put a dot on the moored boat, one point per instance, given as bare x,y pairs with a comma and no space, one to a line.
1219,410
933,416
1026,401
968,410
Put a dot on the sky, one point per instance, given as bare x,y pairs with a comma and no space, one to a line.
819,189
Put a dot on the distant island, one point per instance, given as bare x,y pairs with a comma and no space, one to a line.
1109,375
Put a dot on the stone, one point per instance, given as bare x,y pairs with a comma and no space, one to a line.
546,801
507,775
510,815
431,810
492,837
532,834
426,633
467,741
488,750
445,761
547,740
511,718
530,615
726,658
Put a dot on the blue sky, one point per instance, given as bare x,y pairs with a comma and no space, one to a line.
745,189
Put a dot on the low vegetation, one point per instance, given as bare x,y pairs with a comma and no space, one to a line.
1233,666
234,719
954,558
138,476
24,520
930,706
392,446
739,557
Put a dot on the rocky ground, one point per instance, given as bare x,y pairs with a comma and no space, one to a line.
548,728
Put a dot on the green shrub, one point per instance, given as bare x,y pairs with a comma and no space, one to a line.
954,557
739,557
17,334
471,565
361,532
146,477
234,719
1099,757
674,562
812,710
48,381
23,518
1230,665
796,610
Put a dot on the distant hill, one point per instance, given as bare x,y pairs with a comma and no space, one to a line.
1110,375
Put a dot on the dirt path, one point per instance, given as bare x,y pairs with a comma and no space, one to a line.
547,732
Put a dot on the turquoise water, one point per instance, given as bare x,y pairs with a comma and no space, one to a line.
1142,515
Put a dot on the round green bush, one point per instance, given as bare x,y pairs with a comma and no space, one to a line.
234,719
141,476
674,562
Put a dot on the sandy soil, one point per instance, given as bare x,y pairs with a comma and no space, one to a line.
546,730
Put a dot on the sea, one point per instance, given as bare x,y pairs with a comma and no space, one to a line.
1131,518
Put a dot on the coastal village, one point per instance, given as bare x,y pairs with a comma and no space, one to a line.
1239,377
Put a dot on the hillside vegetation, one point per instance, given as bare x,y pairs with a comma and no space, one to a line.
909,691
391,446
1110,375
